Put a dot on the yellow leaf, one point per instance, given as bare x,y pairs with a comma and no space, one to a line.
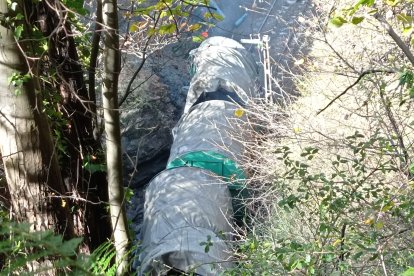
387,207
297,130
195,27
63,203
133,28
239,112
138,26
369,221
336,242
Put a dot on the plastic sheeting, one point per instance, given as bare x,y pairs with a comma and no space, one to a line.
188,210
209,125
222,62
183,208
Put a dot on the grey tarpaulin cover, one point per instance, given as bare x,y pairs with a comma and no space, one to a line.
222,62
183,207
189,208
216,126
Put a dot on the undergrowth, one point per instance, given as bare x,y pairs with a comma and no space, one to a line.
332,173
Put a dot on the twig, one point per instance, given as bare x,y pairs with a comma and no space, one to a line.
394,125
129,90
342,257
367,72
144,58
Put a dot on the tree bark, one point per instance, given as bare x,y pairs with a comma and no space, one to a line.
113,133
28,153
88,190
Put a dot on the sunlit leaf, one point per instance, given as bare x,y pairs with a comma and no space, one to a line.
356,20
239,112
404,18
369,221
198,39
338,21
18,31
195,27
133,28
408,272
391,3
167,29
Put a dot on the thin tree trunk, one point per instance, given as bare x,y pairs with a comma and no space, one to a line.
113,133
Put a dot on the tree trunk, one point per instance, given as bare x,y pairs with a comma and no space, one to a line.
88,190
28,153
113,133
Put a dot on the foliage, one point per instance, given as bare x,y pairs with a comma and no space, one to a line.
101,260
171,19
20,247
338,199
350,214
368,9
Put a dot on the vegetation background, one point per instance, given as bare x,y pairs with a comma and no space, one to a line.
333,167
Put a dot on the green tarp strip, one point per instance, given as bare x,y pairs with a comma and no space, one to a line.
222,166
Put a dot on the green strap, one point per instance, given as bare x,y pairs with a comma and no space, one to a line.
222,166
212,161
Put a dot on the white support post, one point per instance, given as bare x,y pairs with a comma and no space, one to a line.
267,69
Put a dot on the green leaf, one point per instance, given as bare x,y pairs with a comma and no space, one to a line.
356,20
405,19
408,272
373,11
195,27
167,29
198,39
407,78
411,92
76,6
18,31
406,31
69,247
411,168
218,17
338,21
391,3
93,168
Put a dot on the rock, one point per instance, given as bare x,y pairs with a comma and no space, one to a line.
149,114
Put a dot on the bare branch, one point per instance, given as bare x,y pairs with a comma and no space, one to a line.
367,72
